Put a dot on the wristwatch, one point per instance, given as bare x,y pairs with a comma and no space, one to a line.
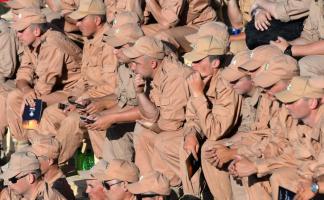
314,188
288,50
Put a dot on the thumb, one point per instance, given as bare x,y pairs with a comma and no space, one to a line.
281,39
237,158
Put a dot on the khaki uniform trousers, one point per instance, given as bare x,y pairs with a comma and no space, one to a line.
118,143
5,88
175,36
164,153
65,128
15,106
311,65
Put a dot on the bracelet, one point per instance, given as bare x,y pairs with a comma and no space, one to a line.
288,50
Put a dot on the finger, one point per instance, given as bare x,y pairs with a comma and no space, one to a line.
206,79
259,27
264,25
194,154
268,16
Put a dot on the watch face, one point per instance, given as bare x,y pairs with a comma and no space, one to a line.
314,188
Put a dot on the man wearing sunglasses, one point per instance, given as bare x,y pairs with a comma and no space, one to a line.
24,179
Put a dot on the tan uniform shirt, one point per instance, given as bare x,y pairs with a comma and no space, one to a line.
298,146
43,192
170,10
198,12
99,65
217,112
287,10
170,94
117,6
52,64
60,184
245,8
314,24
9,50
125,92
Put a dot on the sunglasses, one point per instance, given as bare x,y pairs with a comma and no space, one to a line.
14,180
108,186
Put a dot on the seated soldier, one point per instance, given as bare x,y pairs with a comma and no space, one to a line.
274,78
47,150
309,45
49,69
98,80
163,112
119,120
25,180
10,54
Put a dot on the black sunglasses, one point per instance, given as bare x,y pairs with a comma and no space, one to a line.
108,186
14,180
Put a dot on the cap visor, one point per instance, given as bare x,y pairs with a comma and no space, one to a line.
252,65
266,80
86,175
194,56
115,41
8,174
131,52
136,188
230,74
19,26
76,15
287,97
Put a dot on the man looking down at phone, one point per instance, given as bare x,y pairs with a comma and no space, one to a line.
119,120
49,69
98,80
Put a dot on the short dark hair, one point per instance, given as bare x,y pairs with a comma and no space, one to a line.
103,18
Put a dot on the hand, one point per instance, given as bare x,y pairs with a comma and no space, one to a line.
262,19
69,108
139,84
224,155
304,191
210,156
281,43
196,84
242,167
101,123
94,107
191,145
29,97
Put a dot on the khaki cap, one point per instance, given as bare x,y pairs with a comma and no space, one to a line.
21,4
88,7
232,73
279,68
298,88
127,33
205,46
21,162
216,29
125,17
146,45
46,146
29,16
317,81
97,169
154,183
259,56
119,170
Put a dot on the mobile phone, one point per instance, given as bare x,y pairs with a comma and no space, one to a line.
72,99
62,106
86,120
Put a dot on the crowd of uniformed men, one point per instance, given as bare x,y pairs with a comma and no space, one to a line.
170,98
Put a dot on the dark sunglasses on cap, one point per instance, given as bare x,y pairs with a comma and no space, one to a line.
14,180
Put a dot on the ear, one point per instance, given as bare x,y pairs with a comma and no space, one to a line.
31,178
313,103
97,20
215,63
37,31
124,185
160,198
154,63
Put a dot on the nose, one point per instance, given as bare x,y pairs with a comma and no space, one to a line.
78,24
133,66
